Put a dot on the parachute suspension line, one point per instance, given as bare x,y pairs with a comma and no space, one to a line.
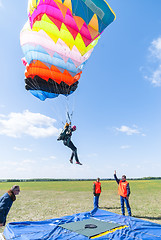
71,112
55,108
68,118
64,104
68,114
57,113
66,89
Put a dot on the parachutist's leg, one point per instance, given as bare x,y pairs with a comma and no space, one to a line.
68,144
76,155
71,159
72,155
74,149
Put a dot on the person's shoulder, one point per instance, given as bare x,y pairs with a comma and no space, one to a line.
4,196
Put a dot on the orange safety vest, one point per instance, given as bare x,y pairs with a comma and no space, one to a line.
122,190
97,187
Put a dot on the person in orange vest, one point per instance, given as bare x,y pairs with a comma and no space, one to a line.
124,192
96,192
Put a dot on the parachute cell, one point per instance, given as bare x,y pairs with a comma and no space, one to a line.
57,41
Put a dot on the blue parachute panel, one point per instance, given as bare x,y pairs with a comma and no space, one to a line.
43,95
51,229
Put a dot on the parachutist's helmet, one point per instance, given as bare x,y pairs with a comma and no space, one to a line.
74,128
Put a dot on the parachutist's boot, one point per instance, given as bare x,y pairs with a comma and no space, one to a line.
71,160
79,163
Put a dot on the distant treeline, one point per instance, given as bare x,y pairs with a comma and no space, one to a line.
53,180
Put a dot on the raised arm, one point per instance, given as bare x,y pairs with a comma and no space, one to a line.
117,180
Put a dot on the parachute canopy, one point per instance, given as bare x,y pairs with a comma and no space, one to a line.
57,41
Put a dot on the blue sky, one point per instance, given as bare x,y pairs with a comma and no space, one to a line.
117,107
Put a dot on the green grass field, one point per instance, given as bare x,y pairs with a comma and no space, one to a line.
45,200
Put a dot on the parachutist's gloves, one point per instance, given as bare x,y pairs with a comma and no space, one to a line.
66,125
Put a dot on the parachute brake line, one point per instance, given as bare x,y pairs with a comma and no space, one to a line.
63,123
69,116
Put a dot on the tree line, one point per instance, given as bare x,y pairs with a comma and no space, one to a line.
67,179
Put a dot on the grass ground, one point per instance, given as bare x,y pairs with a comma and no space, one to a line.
45,200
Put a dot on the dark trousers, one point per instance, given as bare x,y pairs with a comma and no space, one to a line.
73,148
122,201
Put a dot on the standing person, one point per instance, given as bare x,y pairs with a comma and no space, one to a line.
6,202
124,192
66,135
96,192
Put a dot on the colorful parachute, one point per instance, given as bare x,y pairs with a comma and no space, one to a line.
57,41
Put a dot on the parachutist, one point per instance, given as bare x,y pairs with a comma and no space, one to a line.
65,136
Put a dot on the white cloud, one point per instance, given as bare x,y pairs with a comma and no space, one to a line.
128,130
92,155
20,163
52,157
27,161
155,56
12,163
155,77
125,147
143,134
155,48
49,158
22,149
124,165
27,123
1,4
21,169
138,166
